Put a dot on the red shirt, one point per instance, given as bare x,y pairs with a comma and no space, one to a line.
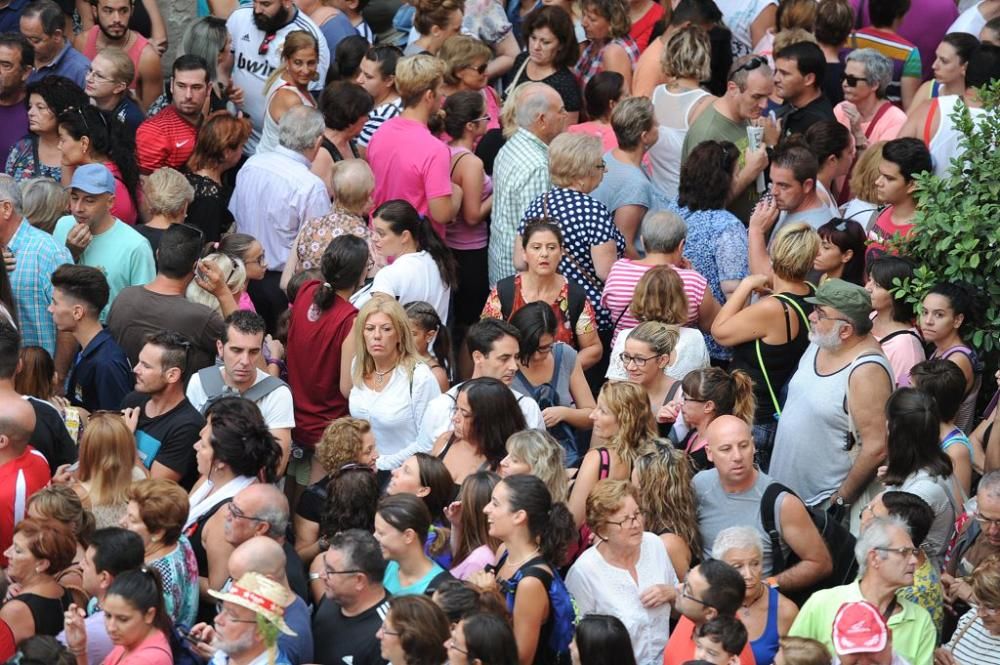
166,139
315,340
642,29
680,648
19,479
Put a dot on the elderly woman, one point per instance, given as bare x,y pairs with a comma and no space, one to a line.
659,296
770,335
610,47
43,202
626,189
592,241
766,613
627,573
552,51
167,194
866,110
977,637
686,62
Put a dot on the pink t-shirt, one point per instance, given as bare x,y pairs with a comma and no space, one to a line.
409,163
886,129
604,132
477,560
154,650
620,287
246,303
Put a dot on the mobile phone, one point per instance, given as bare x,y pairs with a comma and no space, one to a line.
188,635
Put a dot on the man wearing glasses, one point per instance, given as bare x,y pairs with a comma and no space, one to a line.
355,603
887,560
832,433
978,539
711,589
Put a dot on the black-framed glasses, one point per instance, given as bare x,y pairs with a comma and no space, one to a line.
686,593
853,81
386,631
750,65
634,518
639,361
450,644
238,514
688,398
902,551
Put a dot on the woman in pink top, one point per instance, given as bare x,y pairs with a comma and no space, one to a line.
866,110
246,248
602,94
466,60
892,317
135,620
86,136
472,546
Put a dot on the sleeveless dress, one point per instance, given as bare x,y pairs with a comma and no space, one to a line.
672,112
269,135
47,613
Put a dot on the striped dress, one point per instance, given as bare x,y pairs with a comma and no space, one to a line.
972,643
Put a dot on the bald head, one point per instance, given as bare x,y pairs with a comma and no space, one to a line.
353,183
730,448
268,504
261,555
17,424
727,428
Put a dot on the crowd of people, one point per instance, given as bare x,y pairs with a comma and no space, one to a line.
369,331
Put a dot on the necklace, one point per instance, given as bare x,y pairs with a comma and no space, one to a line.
520,563
380,376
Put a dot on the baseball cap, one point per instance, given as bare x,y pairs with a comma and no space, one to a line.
93,179
859,628
850,299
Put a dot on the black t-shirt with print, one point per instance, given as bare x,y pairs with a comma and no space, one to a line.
168,438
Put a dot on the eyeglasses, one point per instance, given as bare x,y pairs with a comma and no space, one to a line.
602,167
544,349
327,572
633,519
902,551
479,69
688,398
260,260
986,522
686,593
450,644
640,362
749,65
91,72
386,631
238,514
853,81
823,316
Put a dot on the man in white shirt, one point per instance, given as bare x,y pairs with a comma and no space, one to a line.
257,34
275,193
494,345
240,348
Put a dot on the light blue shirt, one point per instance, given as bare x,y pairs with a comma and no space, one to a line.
38,255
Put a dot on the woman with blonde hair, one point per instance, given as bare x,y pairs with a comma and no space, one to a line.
236,280
864,206
706,395
391,384
770,335
288,85
436,21
623,423
43,202
466,60
107,468
59,503
539,454
649,350
660,296
686,62
167,194
668,503
346,442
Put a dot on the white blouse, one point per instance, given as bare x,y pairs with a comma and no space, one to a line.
598,587
396,411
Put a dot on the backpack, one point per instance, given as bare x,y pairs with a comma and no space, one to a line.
216,388
562,607
546,395
576,297
839,541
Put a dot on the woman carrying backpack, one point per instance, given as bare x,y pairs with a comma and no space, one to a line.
535,533
550,372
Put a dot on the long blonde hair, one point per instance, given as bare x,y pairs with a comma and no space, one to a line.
294,42
545,456
364,364
636,433
236,280
107,455
667,500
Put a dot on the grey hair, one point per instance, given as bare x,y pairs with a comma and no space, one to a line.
662,231
878,68
531,103
877,534
44,201
205,37
989,485
9,191
630,118
276,517
736,538
300,128
739,75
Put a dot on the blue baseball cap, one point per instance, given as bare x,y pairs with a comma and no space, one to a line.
93,179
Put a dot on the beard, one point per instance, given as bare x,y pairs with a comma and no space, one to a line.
235,647
271,24
829,341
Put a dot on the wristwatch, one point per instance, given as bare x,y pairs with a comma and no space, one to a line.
840,502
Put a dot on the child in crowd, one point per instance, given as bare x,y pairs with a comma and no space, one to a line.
720,640
432,339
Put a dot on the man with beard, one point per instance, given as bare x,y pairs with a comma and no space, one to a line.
836,402
168,138
111,18
257,34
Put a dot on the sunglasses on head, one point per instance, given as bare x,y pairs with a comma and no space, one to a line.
751,64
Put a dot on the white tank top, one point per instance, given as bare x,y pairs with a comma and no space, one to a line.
269,135
672,112
944,145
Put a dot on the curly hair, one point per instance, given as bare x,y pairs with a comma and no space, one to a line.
707,176
667,500
351,496
636,428
615,12
341,443
545,456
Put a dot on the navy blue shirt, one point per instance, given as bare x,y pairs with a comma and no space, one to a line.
70,64
101,376
10,16
129,114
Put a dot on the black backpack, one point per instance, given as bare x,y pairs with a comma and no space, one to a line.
577,298
839,542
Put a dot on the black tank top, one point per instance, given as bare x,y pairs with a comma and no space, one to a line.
335,155
47,612
194,536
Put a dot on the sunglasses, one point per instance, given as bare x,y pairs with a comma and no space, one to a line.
750,65
479,69
853,81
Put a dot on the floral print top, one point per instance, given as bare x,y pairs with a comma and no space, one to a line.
22,163
179,571
564,330
317,233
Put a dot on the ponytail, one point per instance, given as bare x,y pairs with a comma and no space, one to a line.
401,216
425,316
142,588
732,393
550,524
344,261
744,404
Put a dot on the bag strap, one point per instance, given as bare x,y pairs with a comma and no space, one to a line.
576,298
886,105
454,164
557,355
897,333
211,381
769,520
262,389
505,294
517,76
931,112
785,301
